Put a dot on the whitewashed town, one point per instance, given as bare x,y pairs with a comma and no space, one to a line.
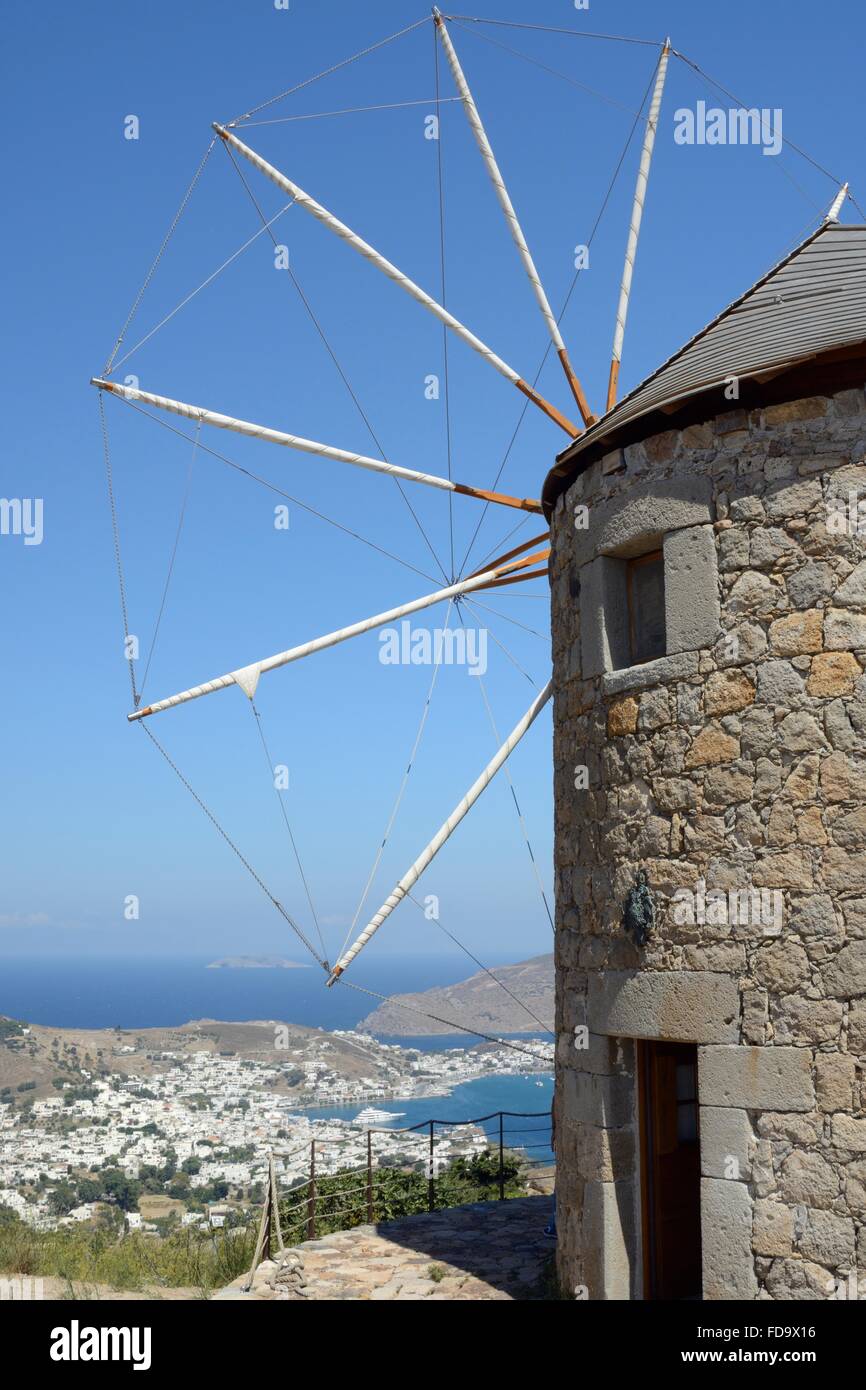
206,1124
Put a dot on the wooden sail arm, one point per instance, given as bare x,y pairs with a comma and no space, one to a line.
247,677
308,204
481,139
308,446
542,573
410,878
634,225
510,554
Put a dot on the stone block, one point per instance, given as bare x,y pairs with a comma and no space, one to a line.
835,1079
604,642
826,1237
756,1078
684,1006
634,522
691,589
681,666
726,1237
727,1141
608,1240
773,1228
606,1101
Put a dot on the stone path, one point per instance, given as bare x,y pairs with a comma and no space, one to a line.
488,1250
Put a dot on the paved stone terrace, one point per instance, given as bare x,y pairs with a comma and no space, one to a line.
487,1250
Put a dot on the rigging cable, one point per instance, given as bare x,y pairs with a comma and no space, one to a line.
220,268
326,72
547,29
136,697
173,556
115,530
502,647
390,825
465,949
233,847
552,72
790,143
321,332
353,111
520,819
284,813
448,1022
150,274
280,492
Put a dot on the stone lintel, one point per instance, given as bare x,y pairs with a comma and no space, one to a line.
699,1006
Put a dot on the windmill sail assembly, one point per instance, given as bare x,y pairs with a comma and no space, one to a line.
468,586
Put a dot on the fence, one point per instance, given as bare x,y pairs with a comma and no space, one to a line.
491,1171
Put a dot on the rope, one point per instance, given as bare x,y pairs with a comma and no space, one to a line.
150,274
390,825
353,111
203,285
115,530
326,72
284,813
272,487
173,554
233,847
465,949
446,1022
342,374
561,315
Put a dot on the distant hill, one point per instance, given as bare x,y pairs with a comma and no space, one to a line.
40,1060
477,1003
256,963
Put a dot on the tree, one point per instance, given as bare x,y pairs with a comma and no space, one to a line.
62,1199
121,1189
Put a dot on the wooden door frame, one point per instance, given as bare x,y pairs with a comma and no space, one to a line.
644,1118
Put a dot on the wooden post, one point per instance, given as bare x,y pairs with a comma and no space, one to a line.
275,1204
501,1158
311,1194
431,1187
370,1176
263,1239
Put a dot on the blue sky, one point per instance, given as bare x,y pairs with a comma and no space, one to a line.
90,812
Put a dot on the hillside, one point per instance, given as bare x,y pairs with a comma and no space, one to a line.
43,1058
476,1003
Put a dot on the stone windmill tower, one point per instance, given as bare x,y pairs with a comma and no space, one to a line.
709,627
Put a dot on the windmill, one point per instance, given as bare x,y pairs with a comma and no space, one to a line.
515,566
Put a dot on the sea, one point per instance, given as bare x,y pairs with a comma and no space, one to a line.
131,992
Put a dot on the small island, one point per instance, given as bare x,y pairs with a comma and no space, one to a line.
256,963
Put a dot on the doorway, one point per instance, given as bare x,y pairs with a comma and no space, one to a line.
670,1169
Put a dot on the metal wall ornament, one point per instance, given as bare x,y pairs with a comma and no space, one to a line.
639,911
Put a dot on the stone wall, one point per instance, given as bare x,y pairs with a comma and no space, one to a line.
737,762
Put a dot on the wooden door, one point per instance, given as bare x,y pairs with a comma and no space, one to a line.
670,1161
